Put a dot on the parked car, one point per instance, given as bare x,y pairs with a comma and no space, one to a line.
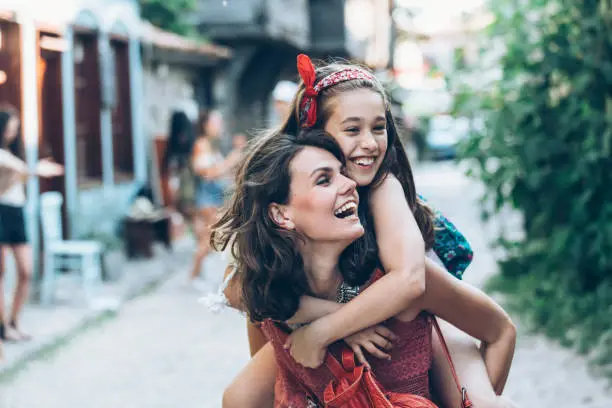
443,136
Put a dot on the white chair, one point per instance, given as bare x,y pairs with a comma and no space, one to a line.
87,254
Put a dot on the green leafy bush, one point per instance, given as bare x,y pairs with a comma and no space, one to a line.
169,14
546,150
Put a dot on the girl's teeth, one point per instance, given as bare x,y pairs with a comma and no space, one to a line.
364,162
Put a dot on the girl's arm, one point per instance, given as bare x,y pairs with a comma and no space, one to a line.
475,313
376,340
402,253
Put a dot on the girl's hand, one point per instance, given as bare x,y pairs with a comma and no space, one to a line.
375,340
306,346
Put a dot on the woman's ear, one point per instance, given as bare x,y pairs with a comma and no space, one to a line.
280,215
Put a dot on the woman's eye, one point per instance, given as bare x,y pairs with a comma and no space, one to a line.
379,129
321,181
352,130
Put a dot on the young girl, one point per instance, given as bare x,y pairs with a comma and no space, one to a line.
286,191
349,103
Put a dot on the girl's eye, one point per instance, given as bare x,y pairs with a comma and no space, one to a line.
352,130
380,128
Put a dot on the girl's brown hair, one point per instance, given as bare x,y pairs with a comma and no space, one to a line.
395,162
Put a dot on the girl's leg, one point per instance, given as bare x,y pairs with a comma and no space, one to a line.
254,385
23,260
470,368
256,337
202,221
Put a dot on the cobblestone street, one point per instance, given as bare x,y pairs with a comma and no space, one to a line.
166,350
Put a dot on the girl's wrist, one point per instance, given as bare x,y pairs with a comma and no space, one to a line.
324,331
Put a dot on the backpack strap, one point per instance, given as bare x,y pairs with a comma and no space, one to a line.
465,400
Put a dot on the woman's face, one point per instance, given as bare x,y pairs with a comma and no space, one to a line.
214,125
358,124
323,202
12,127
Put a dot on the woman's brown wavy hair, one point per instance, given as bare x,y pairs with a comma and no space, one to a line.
364,254
270,266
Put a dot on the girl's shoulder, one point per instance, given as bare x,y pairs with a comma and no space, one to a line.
389,185
389,191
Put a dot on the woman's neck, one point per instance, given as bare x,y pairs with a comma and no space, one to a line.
321,267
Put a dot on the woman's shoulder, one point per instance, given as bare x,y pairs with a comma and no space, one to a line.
201,145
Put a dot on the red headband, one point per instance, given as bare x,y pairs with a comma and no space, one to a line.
308,105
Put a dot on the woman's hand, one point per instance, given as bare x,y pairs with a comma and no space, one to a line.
48,168
375,340
306,346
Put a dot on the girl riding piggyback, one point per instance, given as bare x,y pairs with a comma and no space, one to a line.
349,103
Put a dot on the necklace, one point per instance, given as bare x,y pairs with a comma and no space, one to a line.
346,292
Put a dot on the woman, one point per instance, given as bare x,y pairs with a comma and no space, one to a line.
291,221
211,169
176,172
13,174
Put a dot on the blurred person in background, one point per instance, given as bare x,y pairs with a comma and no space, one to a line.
212,170
13,174
239,142
283,95
176,167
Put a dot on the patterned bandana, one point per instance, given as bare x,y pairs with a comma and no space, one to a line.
308,105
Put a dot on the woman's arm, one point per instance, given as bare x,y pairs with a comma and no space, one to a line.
402,253
475,313
203,166
16,170
11,163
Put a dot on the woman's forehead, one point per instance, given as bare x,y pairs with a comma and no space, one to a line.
312,159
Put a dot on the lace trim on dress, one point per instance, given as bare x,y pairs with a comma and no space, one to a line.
216,302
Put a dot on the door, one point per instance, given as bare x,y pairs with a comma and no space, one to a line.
10,64
123,155
87,107
51,136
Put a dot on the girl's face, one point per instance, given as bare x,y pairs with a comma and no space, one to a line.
12,127
322,203
358,124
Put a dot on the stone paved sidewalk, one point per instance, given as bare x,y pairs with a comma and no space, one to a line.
68,315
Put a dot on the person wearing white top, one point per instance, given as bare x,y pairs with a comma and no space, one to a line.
212,170
13,174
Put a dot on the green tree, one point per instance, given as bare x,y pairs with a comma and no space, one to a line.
546,150
169,14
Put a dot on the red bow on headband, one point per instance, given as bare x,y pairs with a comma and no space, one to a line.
308,105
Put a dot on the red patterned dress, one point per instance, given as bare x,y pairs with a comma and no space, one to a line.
406,372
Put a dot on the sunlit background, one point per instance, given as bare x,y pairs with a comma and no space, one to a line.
505,112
